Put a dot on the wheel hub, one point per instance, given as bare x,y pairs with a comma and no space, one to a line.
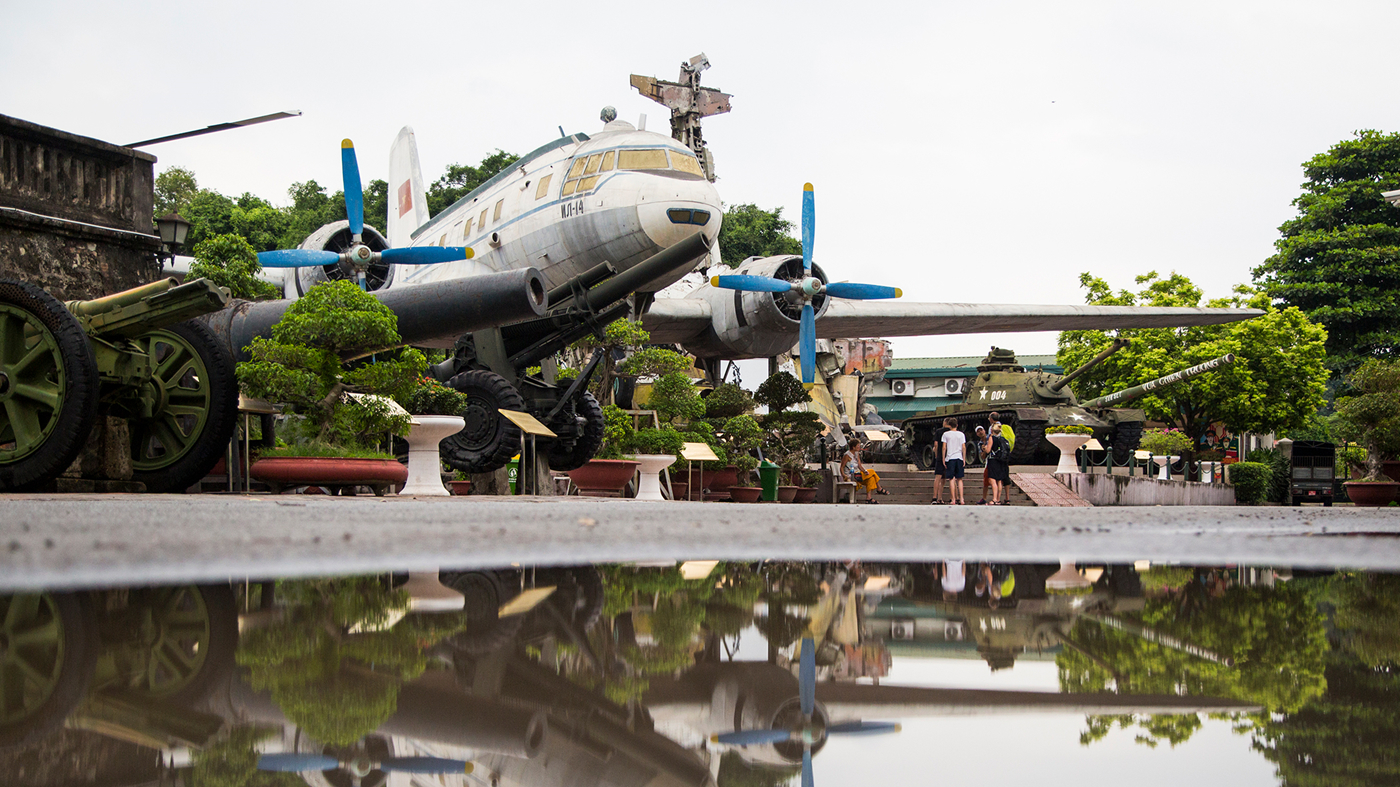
4,383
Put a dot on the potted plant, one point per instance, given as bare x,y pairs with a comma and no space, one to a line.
787,434
343,411
607,474
1068,438
1371,417
1165,445
436,414
677,403
807,491
741,435
461,483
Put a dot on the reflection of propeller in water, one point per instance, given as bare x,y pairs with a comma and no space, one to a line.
360,766
806,732
359,256
807,289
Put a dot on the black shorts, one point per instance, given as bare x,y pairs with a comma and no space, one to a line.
953,468
998,470
939,469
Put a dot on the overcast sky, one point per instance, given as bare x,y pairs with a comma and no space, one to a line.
962,151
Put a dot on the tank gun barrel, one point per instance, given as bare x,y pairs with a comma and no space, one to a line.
1128,394
1117,345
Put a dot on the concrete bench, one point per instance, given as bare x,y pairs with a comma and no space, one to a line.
845,492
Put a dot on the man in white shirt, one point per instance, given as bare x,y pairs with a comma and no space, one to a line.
952,445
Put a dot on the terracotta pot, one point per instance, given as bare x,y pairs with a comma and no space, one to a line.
1391,468
460,487
335,473
718,481
786,494
805,494
1374,493
745,494
716,497
603,475
680,490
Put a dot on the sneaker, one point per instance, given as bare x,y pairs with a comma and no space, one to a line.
982,502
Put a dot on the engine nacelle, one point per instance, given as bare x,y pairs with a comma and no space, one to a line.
336,237
756,324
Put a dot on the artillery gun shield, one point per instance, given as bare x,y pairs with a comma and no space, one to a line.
48,387
193,407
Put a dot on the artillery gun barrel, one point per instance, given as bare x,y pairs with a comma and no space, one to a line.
587,279
1128,394
1117,345
429,315
149,307
677,255
119,299
1165,640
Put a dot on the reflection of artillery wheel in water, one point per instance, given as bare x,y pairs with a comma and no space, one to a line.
47,652
170,643
134,353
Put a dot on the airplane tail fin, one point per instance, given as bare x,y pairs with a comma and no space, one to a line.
408,198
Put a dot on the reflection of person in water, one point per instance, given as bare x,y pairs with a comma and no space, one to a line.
954,579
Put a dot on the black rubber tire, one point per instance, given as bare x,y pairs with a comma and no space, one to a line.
488,442
77,625
486,631
70,427
578,597
211,444
924,456
592,595
585,446
1126,438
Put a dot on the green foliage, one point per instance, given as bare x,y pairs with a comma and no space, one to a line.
460,179
430,397
735,771
655,361
1279,471
1368,615
1276,382
1350,457
787,437
673,397
1371,415
741,435
1251,480
779,392
728,400
175,187
232,761
300,365
312,448
617,432
1339,259
665,440
228,261
1070,429
1164,442
749,231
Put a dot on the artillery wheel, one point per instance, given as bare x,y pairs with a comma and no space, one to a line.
488,441
48,387
1126,437
925,456
48,650
586,443
195,407
186,638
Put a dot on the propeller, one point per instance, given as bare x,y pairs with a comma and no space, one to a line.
360,256
359,766
805,732
806,289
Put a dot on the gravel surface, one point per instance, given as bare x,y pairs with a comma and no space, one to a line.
59,541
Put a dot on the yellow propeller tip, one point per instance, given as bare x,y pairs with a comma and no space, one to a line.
806,186
469,768
345,143
471,254
899,728
714,281
808,386
714,739
898,293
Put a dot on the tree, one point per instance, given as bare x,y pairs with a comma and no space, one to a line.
779,392
1371,416
228,261
1277,381
1339,259
750,231
175,187
461,179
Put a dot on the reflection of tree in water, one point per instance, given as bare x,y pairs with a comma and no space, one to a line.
1274,634
735,772
233,762
334,684
1368,612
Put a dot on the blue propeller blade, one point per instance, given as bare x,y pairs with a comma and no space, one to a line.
807,672
296,258
425,255
809,226
296,762
354,194
752,737
862,728
807,780
807,347
862,292
751,283
425,765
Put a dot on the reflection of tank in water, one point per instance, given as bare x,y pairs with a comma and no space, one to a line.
1030,402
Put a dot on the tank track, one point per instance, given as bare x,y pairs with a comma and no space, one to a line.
1029,435
1126,438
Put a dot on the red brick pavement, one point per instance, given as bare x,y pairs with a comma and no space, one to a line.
1046,490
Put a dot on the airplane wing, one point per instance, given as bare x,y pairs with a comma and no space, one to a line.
845,319
846,701
674,320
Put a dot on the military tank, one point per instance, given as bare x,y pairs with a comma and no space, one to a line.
1030,402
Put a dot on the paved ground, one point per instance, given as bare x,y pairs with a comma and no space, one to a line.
91,540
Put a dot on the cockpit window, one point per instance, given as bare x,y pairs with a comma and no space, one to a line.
577,168
642,159
608,160
593,162
688,164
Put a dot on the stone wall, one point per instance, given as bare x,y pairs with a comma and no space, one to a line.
1121,490
75,213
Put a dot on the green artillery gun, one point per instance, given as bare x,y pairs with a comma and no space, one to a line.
136,355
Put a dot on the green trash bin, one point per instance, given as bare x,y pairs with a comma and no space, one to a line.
768,479
513,473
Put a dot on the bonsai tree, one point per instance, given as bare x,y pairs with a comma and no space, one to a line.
726,401
1371,415
301,366
618,336
740,436
787,435
430,397
1165,442
780,392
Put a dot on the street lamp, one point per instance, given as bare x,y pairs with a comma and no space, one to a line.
173,230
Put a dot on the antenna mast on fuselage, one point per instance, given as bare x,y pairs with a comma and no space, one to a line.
688,102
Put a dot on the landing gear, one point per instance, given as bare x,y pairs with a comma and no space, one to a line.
488,441
48,387
571,454
194,409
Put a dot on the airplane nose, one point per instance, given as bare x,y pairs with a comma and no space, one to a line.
677,208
